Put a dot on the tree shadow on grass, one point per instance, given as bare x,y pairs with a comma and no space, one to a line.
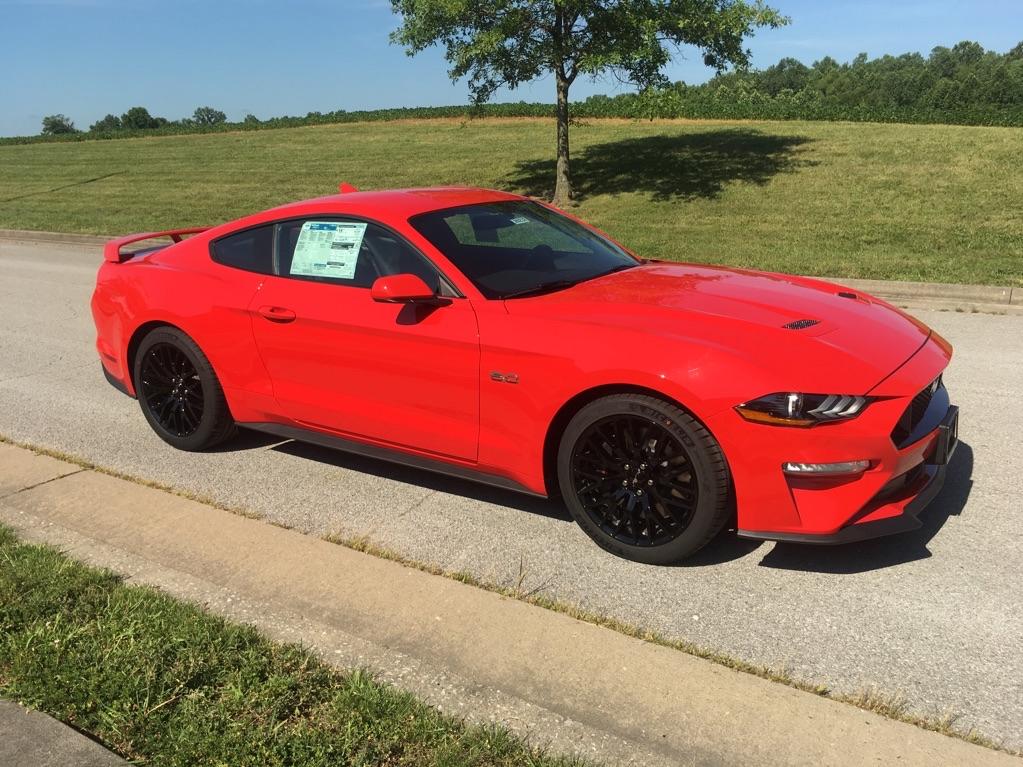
63,186
687,166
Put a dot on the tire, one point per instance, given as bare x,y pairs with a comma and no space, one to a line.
643,478
179,393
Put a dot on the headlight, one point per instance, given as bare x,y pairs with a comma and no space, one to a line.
791,409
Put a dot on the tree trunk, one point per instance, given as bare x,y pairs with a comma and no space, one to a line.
563,183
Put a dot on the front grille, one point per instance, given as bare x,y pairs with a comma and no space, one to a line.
914,414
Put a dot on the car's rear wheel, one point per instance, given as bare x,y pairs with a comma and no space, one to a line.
180,395
643,478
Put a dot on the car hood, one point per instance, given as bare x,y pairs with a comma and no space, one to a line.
852,340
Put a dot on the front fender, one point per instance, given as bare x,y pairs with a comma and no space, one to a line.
557,367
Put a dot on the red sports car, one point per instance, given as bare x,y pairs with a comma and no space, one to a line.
494,337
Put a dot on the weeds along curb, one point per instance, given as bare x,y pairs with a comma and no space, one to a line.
889,705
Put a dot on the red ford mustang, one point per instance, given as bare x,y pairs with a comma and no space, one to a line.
493,337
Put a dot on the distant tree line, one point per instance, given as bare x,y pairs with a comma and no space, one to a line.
964,76
135,119
964,84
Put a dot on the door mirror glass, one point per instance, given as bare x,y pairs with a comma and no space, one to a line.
401,288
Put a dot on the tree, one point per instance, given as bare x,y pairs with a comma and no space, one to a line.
499,43
208,116
787,75
55,125
138,118
106,125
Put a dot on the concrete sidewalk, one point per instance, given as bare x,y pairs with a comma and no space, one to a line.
32,739
575,686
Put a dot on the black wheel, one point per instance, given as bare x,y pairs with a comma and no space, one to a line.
179,392
643,478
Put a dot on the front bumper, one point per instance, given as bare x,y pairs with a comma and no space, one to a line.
905,522
905,474
916,491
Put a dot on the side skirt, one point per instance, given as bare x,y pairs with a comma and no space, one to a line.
387,454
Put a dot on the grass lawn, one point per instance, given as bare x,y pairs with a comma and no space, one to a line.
917,202
161,682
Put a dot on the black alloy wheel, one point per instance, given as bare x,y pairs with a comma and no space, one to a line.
643,478
180,395
636,480
172,390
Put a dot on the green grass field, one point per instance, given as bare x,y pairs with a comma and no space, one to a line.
163,683
915,202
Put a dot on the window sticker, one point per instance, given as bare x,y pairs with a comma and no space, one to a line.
328,249
520,220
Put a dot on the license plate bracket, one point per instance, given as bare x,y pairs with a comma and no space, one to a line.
948,436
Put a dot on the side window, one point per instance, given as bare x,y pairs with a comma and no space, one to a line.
251,250
353,253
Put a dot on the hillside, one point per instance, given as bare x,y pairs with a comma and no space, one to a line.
916,202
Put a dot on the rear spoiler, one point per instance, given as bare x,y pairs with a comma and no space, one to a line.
112,250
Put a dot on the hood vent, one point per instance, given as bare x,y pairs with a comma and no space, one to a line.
801,324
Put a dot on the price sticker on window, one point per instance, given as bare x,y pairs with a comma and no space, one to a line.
328,249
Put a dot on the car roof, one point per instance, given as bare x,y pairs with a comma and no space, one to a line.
396,203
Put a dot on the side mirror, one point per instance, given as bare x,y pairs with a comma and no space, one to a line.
401,289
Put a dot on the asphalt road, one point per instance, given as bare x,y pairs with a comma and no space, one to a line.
933,616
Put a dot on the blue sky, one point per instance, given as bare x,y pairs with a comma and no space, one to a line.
86,58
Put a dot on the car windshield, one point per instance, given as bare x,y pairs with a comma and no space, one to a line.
520,248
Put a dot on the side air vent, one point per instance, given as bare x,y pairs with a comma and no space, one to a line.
800,324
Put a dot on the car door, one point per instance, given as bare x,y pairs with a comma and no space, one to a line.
404,375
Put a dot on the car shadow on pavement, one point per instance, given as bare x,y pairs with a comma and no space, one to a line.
885,552
245,439
426,479
725,547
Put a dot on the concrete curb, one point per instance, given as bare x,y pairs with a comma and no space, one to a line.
991,299
663,706
33,739
978,294
27,235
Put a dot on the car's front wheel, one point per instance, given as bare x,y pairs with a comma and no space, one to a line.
643,478
180,395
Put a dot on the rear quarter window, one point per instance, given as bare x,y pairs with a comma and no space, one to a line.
251,250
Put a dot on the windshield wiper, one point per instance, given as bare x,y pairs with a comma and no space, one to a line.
543,287
552,285
613,269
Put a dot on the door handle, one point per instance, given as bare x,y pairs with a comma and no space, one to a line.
277,313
